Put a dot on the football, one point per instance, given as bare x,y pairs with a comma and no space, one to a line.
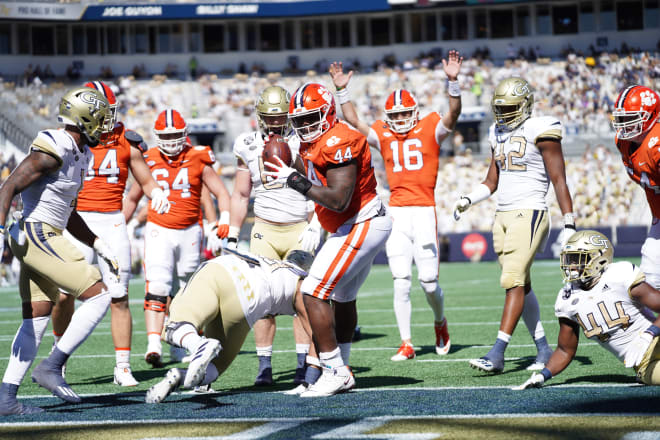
277,146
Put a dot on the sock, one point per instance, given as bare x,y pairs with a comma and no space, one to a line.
185,335
266,351
84,320
541,344
24,349
264,362
532,316
56,338
153,339
57,358
301,353
436,300
313,371
345,350
497,352
402,306
123,357
331,359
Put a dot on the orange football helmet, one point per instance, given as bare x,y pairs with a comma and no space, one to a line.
102,87
312,111
171,132
399,102
635,111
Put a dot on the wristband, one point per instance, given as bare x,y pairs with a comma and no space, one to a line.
338,88
343,96
2,229
454,89
232,240
569,220
547,375
298,182
653,330
480,193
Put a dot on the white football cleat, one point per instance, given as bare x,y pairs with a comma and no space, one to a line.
297,391
330,383
124,377
164,388
205,352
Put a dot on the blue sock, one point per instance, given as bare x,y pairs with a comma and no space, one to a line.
57,358
264,362
497,352
541,344
312,374
301,360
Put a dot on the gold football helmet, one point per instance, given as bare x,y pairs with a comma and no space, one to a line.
585,257
512,103
87,110
301,259
273,110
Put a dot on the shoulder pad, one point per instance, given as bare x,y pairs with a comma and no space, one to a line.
133,137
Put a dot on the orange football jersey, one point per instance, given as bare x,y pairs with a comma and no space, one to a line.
103,189
338,145
643,165
411,161
181,179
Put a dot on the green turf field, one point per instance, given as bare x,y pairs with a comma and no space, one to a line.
428,397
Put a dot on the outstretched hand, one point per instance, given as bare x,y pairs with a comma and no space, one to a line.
452,65
339,78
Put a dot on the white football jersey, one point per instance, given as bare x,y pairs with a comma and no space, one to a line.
523,181
272,201
606,312
264,289
52,198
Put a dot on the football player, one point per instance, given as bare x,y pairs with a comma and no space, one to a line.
99,204
281,214
173,241
225,298
334,170
635,119
526,157
48,180
410,147
608,302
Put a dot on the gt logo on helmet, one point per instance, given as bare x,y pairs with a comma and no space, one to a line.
599,241
90,98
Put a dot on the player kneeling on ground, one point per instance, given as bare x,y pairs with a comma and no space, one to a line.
609,301
225,297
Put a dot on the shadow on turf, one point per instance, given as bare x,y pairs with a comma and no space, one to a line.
522,364
140,373
602,378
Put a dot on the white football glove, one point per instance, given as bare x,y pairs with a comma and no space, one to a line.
564,235
311,236
159,201
104,251
279,172
461,206
536,381
637,348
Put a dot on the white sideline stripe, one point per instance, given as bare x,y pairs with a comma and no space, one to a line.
642,435
355,430
313,419
249,434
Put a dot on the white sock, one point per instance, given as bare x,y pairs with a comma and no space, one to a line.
331,359
503,336
185,336
300,348
84,320
402,306
436,300
532,316
123,357
265,351
345,350
24,348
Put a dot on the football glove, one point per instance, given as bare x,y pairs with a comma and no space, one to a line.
223,225
637,348
159,201
461,206
311,236
279,173
104,251
536,381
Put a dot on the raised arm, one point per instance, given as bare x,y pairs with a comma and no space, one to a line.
452,67
341,80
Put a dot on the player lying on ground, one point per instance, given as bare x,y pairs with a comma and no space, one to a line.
609,301
225,297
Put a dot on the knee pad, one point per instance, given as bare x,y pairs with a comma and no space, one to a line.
156,303
117,291
429,287
402,289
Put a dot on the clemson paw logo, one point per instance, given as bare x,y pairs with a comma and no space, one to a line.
653,141
334,140
648,99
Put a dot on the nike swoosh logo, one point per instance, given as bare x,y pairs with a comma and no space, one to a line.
117,225
641,163
417,130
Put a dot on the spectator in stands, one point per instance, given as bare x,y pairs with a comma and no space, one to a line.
192,66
